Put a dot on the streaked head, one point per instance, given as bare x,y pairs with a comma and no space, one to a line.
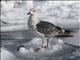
32,11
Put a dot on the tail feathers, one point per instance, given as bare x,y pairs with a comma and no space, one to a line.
67,33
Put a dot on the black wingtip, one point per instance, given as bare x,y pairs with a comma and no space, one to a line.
68,31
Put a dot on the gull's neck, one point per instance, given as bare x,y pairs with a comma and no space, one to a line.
33,20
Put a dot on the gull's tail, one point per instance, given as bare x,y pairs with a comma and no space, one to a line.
64,33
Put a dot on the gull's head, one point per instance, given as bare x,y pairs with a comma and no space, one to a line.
31,11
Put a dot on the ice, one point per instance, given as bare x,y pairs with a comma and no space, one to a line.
36,41
36,50
7,55
56,50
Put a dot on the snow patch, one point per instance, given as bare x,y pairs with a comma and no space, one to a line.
6,55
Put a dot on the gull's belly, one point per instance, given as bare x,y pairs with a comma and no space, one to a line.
33,30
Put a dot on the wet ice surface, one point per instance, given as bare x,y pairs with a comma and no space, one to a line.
60,51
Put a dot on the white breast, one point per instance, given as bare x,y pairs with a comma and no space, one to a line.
35,20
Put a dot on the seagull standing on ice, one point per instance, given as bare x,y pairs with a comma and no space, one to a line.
42,29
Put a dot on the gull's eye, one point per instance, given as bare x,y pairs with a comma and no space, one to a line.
33,10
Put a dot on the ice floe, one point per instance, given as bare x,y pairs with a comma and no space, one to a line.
26,50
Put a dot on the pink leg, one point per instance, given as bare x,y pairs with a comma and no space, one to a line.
43,43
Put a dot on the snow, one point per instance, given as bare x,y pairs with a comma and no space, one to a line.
6,55
6,6
36,41
62,13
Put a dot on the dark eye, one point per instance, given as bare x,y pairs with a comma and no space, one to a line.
33,10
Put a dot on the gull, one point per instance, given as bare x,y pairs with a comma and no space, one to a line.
44,29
